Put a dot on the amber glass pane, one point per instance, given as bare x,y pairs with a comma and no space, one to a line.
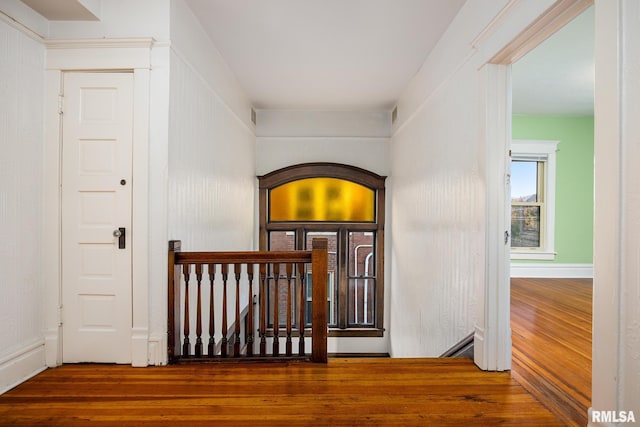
322,199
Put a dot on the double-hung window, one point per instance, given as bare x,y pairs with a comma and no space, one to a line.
533,171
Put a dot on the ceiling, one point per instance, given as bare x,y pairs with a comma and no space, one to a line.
325,54
361,54
64,10
557,77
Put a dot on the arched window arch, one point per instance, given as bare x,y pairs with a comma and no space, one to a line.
345,204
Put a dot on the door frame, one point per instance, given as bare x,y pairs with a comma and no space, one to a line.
101,55
492,336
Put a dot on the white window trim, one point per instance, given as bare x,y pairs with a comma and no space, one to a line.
540,150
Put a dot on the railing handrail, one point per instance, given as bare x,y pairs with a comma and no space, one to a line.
242,257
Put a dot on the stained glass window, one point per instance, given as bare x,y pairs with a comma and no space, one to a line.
322,199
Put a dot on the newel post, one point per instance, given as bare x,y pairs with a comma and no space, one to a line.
173,327
319,261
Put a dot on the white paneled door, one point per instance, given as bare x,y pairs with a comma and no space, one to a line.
97,122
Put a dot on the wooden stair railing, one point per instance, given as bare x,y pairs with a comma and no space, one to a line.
281,300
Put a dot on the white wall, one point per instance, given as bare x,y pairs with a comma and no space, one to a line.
438,197
211,158
290,137
21,194
629,397
437,201
211,145
616,318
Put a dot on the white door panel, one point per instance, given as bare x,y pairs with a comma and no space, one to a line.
96,200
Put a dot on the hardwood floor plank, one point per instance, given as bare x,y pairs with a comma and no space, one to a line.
551,335
407,392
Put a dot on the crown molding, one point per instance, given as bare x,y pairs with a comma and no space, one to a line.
103,43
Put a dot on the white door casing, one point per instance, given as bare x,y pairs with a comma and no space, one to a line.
492,337
96,201
100,55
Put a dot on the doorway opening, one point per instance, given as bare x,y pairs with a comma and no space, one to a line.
551,217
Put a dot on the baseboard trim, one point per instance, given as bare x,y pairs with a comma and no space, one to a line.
158,349
139,347
359,355
478,348
550,270
19,366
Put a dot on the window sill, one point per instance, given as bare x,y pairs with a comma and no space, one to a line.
332,332
356,332
533,255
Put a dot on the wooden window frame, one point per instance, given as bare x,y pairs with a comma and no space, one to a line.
340,171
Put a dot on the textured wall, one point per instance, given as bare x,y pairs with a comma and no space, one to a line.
441,254
437,201
211,147
211,168
21,193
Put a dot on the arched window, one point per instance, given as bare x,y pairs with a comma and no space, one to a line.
345,204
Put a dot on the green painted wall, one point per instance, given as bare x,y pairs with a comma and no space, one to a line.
574,180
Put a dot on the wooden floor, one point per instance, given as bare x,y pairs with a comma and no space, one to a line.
345,392
551,332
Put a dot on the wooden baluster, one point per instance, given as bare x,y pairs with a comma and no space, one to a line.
289,268
302,308
276,309
263,310
186,346
250,305
237,268
211,349
223,342
174,292
199,312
